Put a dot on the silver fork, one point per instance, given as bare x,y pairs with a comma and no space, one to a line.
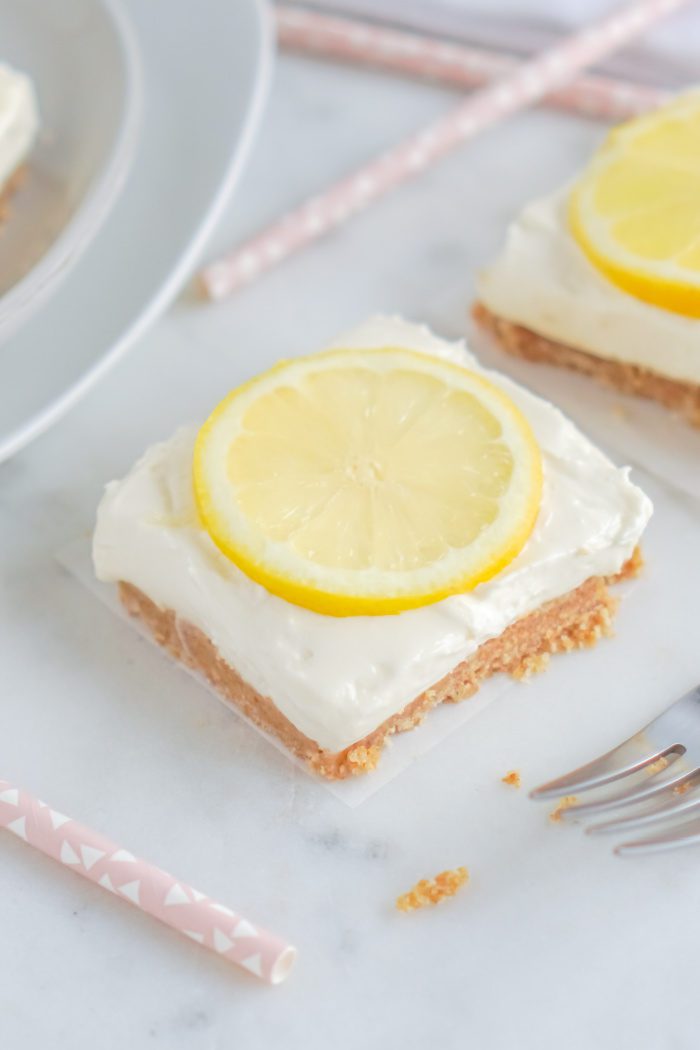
671,740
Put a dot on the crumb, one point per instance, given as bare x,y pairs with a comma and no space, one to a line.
362,759
680,789
512,778
432,891
562,804
530,665
658,766
633,566
621,411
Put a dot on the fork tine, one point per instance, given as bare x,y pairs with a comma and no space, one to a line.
687,834
668,811
673,733
607,768
654,789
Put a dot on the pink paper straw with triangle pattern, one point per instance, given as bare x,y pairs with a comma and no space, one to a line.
459,65
531,81
150,889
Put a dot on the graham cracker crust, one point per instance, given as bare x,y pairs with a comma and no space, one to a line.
10,187
573,621
682,398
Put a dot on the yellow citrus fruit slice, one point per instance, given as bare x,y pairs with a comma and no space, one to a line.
635,212
365,482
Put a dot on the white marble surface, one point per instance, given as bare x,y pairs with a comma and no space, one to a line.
555,942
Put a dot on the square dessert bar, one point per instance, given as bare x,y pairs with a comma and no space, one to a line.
332,689
544,301
18,127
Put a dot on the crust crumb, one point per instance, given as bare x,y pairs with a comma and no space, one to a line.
531,665
362,759
562,804
633,566
432,891
658,766
680,789
512,778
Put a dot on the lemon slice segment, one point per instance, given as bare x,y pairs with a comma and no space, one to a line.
365,482
635,212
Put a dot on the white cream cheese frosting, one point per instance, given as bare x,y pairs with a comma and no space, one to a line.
19,120
543,280
337,679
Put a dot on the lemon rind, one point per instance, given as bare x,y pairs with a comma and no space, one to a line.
253,556
673,290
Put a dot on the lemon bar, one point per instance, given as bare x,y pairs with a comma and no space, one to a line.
332,688
19,123
603,277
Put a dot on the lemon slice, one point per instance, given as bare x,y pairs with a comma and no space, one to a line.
367,481
636,210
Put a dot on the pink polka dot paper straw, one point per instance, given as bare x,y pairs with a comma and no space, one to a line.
150,889
531,81
398,51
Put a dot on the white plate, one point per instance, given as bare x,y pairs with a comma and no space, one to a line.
213,67
82,58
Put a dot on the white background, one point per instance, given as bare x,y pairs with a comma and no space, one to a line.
555,943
